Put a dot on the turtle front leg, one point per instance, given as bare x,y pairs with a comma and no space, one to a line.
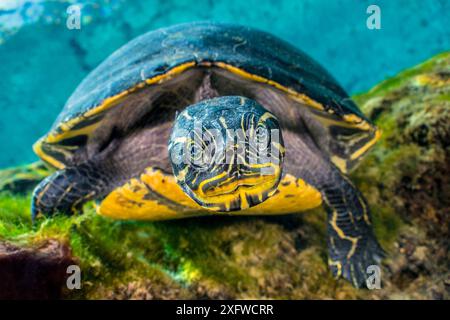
67,190
352,244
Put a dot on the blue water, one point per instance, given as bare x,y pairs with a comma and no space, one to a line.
42,61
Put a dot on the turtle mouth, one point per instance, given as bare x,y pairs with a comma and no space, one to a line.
227,192
236,186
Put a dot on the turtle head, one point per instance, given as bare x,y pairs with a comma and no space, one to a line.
227,153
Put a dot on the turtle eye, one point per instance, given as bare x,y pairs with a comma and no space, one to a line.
209,151
201,154
196,153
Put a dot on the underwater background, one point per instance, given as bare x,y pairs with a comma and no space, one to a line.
42,61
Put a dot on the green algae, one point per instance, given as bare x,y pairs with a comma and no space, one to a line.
438,62
15,217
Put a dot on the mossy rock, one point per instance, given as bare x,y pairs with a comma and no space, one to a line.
405,179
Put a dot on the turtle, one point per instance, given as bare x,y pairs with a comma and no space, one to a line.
209,118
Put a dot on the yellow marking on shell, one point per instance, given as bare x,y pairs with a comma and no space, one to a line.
294,94
37,148
61,149
354,120
357,121
348,123
68,133
107,104
110,102
340,163
358,153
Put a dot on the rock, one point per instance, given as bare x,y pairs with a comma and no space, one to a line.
420,254
405,179
408,172
38,272
411,162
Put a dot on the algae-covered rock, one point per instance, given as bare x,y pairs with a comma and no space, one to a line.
408,174
405,179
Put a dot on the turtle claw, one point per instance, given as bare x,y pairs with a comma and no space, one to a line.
360,267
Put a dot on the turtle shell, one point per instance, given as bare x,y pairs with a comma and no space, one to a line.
161,55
